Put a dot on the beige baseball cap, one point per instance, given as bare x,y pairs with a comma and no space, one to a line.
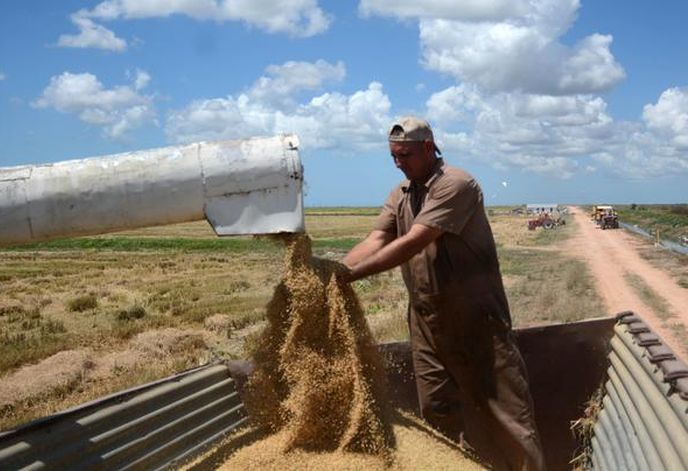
411,129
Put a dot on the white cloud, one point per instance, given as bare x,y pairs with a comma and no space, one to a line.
283,81
328,120
332,120
669,116
507,57
129,119
476,10
454,104
2,76
91,35
141,78
214,119
642,154
118,110
301,18
556,167
508,46
590,66
560,136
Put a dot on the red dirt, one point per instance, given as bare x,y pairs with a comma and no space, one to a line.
610,254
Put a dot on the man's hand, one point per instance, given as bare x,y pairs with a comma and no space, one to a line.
343,273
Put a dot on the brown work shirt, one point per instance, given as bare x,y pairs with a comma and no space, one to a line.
457,274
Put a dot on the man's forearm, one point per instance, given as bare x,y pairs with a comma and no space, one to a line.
366,248
388,257
393,254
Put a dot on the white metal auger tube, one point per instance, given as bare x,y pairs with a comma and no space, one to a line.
250,186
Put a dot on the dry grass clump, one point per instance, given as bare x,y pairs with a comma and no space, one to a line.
583,429
681,333
82,303
163,346
674,263
649,296
544,289
318,374
61,371
133,312
9,310
167,342
219,323
27,335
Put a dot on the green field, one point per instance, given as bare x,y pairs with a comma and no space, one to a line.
671,220
126,308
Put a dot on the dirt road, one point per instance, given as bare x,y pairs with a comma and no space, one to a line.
611,255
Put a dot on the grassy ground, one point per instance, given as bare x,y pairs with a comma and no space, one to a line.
542,284
675,264
114,299
659,305
649,296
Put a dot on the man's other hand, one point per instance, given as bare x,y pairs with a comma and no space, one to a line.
343,273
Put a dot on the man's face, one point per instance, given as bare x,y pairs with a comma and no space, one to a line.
415,159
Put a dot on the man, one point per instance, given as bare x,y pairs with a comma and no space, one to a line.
465,359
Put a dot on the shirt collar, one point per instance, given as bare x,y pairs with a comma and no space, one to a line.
436,172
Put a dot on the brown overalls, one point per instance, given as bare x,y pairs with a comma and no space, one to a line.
469,373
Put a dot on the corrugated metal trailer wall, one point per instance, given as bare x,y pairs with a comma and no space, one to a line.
643,424
149,427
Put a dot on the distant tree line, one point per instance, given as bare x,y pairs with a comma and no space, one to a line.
681,209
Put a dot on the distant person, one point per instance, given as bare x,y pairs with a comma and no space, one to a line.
464,355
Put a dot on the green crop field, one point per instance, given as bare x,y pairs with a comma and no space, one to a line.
670,220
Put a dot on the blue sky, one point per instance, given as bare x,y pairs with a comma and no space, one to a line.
541,100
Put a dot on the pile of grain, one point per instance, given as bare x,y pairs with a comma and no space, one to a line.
417,447
318,385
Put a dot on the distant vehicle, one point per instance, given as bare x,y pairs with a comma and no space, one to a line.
546,221
684,240
605,216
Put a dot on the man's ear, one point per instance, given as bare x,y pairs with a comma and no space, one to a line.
429,147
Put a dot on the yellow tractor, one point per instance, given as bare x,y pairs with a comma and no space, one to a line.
605,216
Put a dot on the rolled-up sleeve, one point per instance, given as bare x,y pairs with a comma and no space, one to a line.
387,220
450,205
